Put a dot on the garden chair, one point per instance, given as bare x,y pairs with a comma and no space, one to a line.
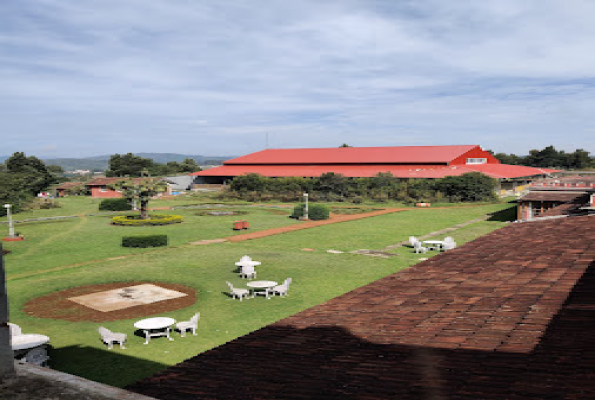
37,356
108,337
413,240
419,248
248,271
282,289
239,293
185,325
15,330
449,245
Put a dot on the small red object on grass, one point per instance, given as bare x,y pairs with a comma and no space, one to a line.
13,239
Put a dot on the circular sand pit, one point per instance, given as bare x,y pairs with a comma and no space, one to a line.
68,305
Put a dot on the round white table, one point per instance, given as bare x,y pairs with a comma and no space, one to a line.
28,341
153,327
261,285
434,244
247,263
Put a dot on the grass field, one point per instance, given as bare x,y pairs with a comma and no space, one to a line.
34,270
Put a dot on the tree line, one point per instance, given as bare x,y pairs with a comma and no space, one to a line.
383,187
550,157
21,179
135,166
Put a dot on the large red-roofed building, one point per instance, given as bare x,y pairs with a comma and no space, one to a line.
402,162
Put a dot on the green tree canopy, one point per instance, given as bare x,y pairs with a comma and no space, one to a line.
140,191
128,165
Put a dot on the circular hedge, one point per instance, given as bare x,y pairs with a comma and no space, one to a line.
134,220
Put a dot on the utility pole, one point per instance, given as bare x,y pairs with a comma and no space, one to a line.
6,353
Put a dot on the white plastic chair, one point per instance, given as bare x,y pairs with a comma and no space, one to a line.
419,248
248,271
37,356
449,245
239,293
185,325
282,289
413,240
15,330
108,337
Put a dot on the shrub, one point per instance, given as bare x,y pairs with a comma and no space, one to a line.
120,204
144,241
316,212
134,220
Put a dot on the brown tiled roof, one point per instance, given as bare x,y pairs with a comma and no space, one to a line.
544,195
510,315
68,185
111,181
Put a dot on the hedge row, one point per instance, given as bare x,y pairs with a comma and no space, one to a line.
120,204
333,187
316,212
134,220
144,241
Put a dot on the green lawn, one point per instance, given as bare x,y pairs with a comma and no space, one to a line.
317,276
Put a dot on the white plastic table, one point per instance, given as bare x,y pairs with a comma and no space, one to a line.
153,327
247,263
434,244
28,341
261,285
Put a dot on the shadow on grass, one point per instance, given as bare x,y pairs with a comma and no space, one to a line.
113,367
506,215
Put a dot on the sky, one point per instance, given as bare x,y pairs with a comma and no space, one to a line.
81,78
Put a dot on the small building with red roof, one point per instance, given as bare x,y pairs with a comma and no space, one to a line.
404,162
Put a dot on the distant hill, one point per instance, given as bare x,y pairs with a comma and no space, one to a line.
100,163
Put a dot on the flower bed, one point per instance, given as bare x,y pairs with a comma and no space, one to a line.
134,220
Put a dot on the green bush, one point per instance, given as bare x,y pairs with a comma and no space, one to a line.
316,212
144,241
134,220
120,204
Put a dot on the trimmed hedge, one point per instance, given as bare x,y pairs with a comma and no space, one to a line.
134,220
144,241
316,212
120,204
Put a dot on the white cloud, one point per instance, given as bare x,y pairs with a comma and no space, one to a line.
96,75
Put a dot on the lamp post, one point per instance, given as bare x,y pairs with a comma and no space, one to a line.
305,215
10,224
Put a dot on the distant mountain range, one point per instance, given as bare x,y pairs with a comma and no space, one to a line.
100,163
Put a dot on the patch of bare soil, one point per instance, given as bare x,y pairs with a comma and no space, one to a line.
58,306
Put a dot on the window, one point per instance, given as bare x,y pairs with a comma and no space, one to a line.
103,189
477,160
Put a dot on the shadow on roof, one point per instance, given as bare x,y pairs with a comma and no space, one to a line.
329,362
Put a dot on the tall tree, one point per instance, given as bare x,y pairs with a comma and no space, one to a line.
128,165
39,178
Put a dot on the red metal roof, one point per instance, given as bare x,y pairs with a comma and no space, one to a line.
398,171
359,155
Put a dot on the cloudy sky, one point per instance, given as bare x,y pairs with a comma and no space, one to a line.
215,77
